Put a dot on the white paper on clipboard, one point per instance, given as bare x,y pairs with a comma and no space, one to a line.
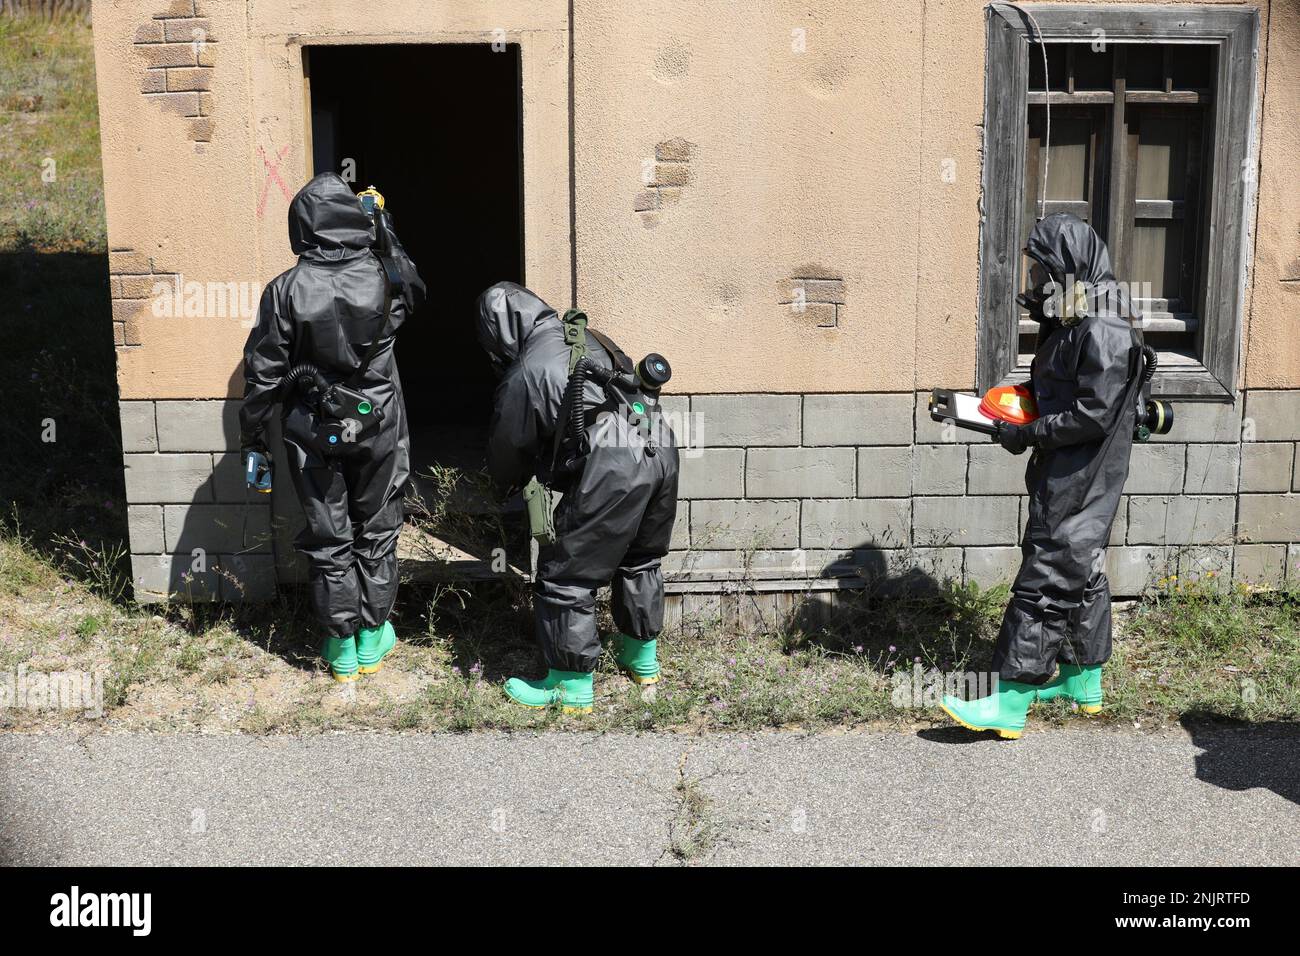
968,409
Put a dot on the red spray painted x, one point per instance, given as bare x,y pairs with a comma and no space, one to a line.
272,176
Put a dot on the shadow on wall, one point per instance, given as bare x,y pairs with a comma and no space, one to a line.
894,608
1244,758
910,609
198,532
60,433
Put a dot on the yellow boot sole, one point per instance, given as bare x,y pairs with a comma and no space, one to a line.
345,678
639,678
372,668
1004,734
1090,709
563,709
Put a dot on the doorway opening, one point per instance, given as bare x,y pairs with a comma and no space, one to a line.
438,129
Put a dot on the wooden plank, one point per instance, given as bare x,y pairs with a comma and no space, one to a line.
1119,218
1231,194
1195,235
1148,22
1178,97
1179,376
427,557
309,149
1158,208
773,585
1151,322
1081,98
1079,207
1005,108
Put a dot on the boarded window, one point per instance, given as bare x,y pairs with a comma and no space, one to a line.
1151,115
1127,152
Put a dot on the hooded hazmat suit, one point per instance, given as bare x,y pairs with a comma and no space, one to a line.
615,519
326,311
1085,379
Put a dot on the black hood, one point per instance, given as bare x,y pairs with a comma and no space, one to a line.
326,220
1067,247
507,313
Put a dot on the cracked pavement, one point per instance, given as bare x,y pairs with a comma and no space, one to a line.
1072,797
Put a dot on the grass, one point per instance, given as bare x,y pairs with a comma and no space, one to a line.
52,193
1189,649
1200,647
60,427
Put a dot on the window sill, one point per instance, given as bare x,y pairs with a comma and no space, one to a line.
1190,381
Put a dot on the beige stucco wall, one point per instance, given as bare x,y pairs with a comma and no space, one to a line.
857,159
213,212
1272,346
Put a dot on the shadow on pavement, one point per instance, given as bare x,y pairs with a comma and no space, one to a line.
958,735
1247,756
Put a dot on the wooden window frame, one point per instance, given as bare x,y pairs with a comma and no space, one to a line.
1235,33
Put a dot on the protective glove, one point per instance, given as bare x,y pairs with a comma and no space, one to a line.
257,469
1012,437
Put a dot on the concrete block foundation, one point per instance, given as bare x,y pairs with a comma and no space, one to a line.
801,492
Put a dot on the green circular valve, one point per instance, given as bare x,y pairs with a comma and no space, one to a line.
364,408
638,408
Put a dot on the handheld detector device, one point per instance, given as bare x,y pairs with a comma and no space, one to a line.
961,409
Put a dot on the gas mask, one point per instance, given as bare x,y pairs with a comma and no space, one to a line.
1040,291
1050,303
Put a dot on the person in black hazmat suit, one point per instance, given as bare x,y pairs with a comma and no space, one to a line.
1086,380
619,502
327,311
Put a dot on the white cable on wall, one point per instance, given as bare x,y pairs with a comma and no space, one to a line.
1047,106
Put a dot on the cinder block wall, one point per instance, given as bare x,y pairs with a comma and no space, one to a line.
196,532
783,492
795,487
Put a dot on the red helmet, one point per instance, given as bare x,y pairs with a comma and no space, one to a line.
1009,403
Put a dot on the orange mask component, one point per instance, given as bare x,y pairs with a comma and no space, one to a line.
1009,403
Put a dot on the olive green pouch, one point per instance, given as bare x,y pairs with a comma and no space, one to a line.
541,522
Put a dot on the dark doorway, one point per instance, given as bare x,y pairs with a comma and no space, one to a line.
437,128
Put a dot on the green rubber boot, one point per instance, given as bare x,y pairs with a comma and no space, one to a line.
1003,712
340,654
373,645
571,690
1080,683
636,658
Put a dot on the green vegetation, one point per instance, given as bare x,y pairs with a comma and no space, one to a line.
52,193
60,427
1189,650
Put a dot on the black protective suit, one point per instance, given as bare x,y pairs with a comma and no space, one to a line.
326,310
615,519
1085,380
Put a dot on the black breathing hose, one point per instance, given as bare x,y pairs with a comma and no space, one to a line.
306,375
584,370
1151,361
573,393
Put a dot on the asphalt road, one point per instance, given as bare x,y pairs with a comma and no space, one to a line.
1084,797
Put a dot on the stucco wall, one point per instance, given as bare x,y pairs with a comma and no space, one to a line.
724,165
1272,346
843,160
203,198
